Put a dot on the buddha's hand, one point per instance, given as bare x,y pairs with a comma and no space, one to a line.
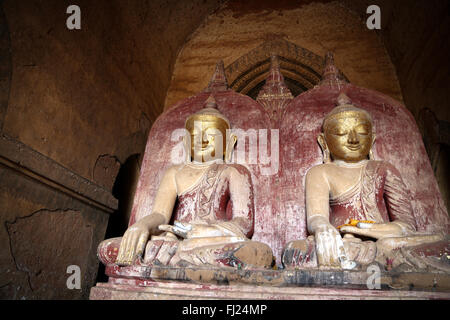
135,238
377,230
194,230
132,244
330,249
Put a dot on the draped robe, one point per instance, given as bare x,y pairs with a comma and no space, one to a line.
379,195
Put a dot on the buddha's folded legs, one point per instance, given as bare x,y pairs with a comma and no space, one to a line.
302,253
422,253
241,254
412,253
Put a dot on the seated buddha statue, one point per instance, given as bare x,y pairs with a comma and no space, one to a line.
358,209
203,213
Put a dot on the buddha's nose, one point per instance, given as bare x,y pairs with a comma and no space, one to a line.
353,137
204,143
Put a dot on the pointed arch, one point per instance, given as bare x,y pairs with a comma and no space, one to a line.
300,67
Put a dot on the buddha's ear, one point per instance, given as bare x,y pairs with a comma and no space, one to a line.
324,146
187,146
231,141
321,140
374,136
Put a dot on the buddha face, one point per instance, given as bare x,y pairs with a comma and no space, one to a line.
208,137
349,138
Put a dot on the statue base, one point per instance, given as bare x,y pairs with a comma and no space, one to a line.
162,283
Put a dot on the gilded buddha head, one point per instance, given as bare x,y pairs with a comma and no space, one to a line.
347,133
209,135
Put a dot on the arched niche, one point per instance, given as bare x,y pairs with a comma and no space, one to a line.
300,67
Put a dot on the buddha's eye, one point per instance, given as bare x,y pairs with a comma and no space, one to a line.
363,130
340,133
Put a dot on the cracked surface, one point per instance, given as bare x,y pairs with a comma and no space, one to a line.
43,258
43,231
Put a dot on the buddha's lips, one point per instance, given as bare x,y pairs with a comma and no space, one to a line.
354,148
202,148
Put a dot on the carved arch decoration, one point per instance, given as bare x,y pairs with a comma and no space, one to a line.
301,68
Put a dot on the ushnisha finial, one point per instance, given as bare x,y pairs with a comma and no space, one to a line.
343,99
210,102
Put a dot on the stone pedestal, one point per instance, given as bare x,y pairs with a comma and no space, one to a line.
172,290
166,283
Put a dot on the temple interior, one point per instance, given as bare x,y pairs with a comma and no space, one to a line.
76,106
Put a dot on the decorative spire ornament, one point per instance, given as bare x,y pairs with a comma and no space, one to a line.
218,81
331,75
274,95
